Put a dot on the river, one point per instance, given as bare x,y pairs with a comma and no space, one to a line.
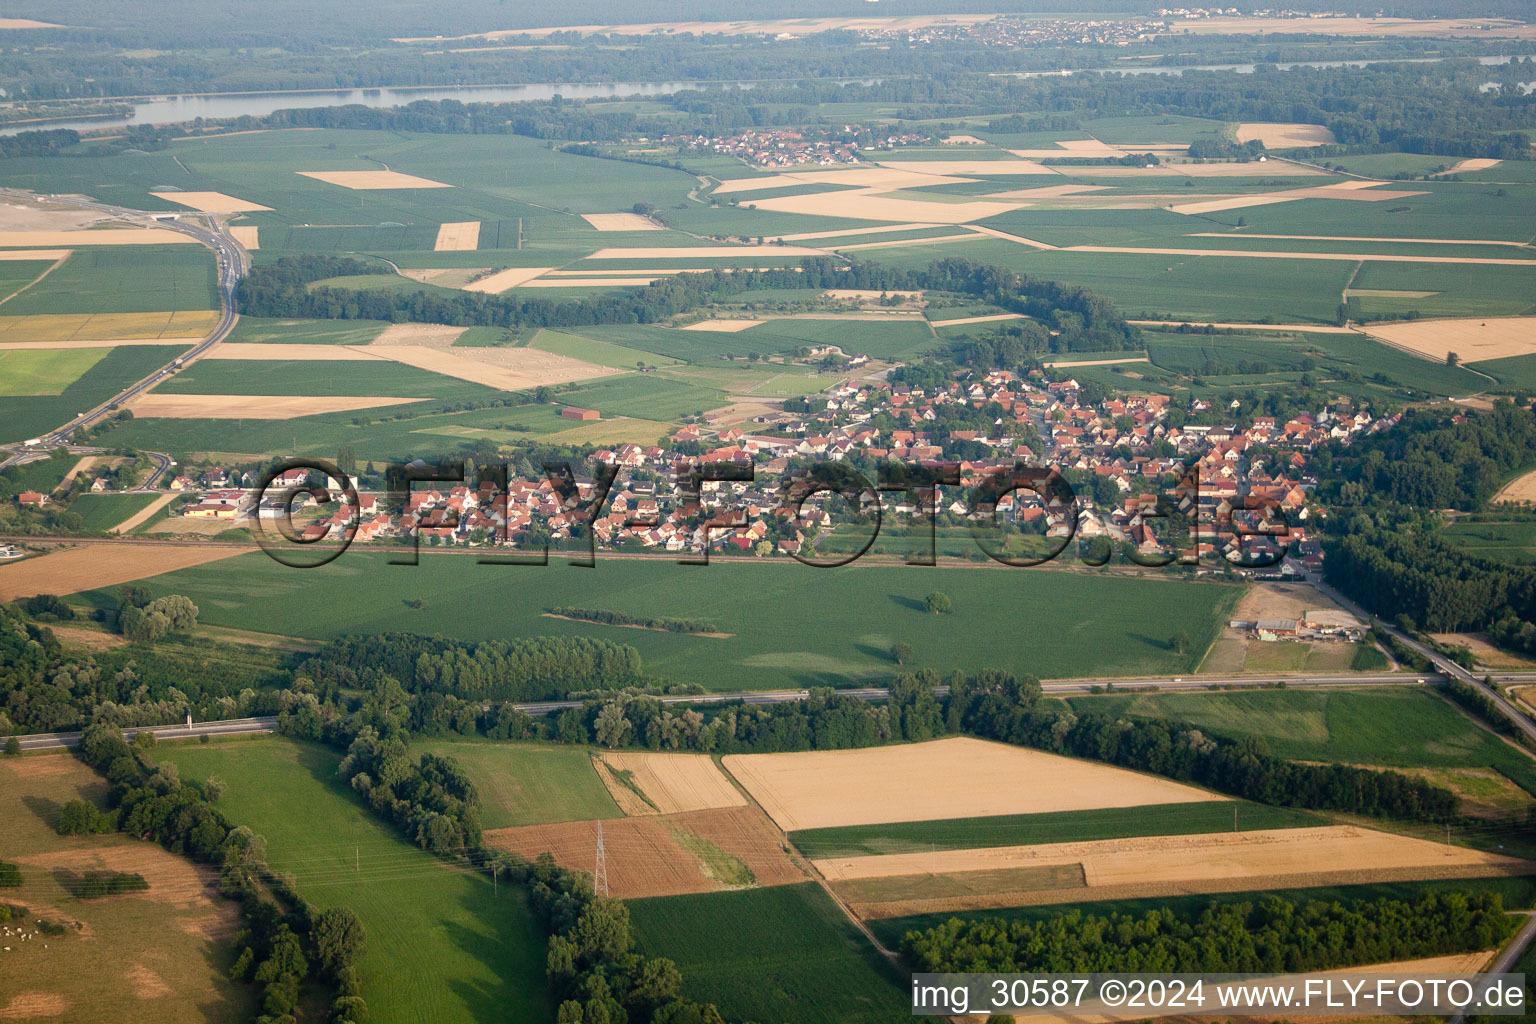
189,107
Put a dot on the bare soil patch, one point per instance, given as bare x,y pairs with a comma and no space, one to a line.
89,639
1279,601
89,566
1096,362
673,783
976,319
949,778
504,279
369,181
1278,135
457,236
1472,340
621,222
211,202
34,1005
253,407
16,255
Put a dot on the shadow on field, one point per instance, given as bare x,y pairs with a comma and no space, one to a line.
908,602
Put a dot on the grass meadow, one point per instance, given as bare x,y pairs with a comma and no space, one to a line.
783,954
100,512
1401,727
529,783
790,624
25,373
29,416
1033,829
441,947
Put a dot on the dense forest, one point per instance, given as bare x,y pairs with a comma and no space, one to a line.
1273,935
290,288
1384,544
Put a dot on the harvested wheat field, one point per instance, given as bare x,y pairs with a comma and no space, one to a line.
701,252
445,277
645,857
1278,135
906,243
1521,488
883,229
621,222
10,255
1358,191
246,236
109,327
504,279
990,168
671,783
976,319
858,177
371,181
89,566
96,236
211,202
253,407
430,347
874,204
144,513
1166,865
589,282
457,236
746,834
1460,963
1072,147
1472,340
1475,164
949,778
1048,191
722,326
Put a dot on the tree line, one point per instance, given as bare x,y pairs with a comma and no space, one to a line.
287,288
1271,935
613,618
285,943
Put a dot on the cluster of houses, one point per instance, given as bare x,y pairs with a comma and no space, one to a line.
1017,31
1314,624
1120,452
796,147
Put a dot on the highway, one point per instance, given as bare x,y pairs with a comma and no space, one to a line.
232,267
252,726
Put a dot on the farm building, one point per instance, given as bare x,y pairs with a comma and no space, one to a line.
571,412
32,498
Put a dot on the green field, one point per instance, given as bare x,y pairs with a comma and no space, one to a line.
17,274
100,512
45,371
1515,373
320,377
124,279
783,954
440,946
260,330
593,351
1519,892
530,784
1034,829
1507,541
1402,727
791,625
25,417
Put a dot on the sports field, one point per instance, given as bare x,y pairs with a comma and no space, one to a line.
1078,624
441,946
783,953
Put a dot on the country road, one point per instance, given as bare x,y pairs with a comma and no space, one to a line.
232,266
1161,684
